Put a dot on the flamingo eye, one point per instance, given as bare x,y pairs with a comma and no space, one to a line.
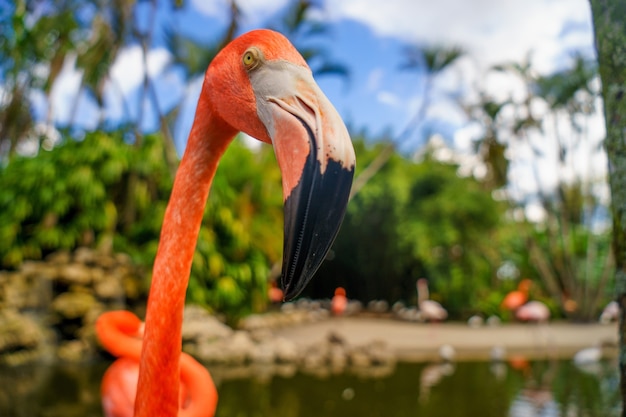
251,58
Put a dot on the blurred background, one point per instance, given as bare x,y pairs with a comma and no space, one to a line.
478,128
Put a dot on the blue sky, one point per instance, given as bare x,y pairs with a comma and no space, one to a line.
369,37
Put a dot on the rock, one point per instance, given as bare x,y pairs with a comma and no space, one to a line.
106,262
263,353
73,351
75,273
68,291
316,355
288,307
286,350
85,256
240,347
22,339
23,292
216,353
380,353
59,258
337,358
261,335
201,327
41,270
73,305
353,307
253,322
358,358
313,360
133,287
335,338
123,259
109,288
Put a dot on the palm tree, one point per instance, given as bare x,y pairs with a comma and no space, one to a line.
571,259
434,60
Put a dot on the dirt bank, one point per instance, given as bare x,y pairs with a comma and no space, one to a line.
421,342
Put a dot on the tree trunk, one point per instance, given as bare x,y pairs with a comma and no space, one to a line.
610,31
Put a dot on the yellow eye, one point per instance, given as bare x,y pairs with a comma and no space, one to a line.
251,58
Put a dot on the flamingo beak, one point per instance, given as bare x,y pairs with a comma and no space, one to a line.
317,161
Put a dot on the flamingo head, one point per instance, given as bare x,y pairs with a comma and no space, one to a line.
260,85
340,291
525,285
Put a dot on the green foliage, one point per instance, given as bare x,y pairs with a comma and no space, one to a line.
60,199
241,234
81,193
416,220
452,229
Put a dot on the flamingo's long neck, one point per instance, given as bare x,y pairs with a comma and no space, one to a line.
422,292
157,391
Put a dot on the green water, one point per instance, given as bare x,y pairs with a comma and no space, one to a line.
555,388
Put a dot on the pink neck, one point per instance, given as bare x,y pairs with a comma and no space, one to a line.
157,391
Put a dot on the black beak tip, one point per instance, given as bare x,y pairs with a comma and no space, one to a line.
291,290
313,215
289,294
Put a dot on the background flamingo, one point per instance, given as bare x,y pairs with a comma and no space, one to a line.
610,313
515,299
534,311
524,310
120,333
339,302
431,310
274,293
261,85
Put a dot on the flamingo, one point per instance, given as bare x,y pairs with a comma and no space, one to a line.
588,355
610,313
515,299
431,310
533,311
339,302
261,85
120,333
274,293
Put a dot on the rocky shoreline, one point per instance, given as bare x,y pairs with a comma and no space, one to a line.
48,310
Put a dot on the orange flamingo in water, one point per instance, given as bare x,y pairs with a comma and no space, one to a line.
120,333
261,85
339,302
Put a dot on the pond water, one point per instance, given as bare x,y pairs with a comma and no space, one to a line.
543,388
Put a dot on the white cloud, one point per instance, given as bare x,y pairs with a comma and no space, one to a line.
388,98
64,93
128,69
491,30
446,110
126,74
